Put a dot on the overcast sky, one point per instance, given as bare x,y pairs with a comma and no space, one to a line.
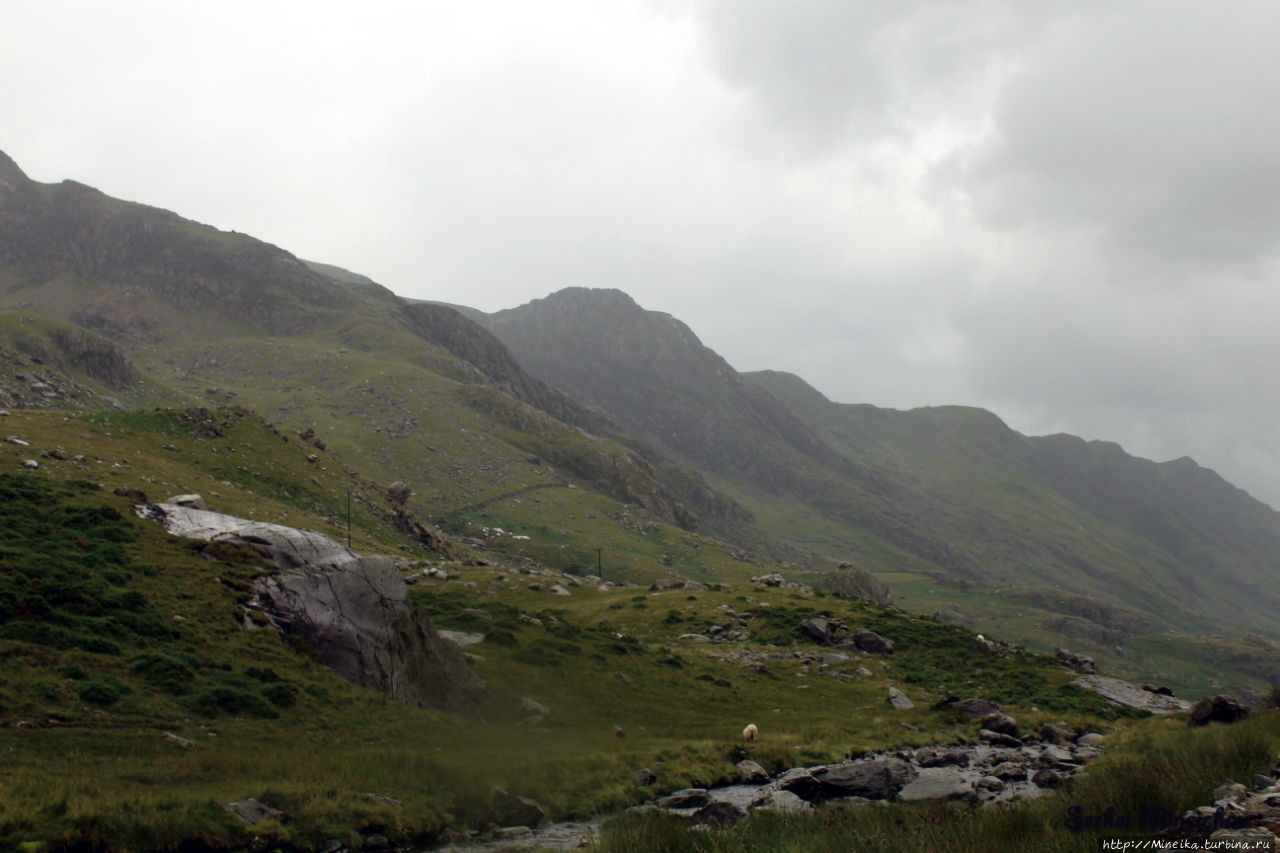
1068,213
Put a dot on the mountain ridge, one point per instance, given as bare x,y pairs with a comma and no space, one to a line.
630,412
952,491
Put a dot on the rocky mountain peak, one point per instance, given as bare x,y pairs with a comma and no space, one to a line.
11,175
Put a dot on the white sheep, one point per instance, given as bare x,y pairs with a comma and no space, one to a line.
750,732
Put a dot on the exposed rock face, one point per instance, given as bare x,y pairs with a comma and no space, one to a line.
1130,695
353,610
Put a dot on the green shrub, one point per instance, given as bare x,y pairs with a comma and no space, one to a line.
102,689
232,701
282,694
163,671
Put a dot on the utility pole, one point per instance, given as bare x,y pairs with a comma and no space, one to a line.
348,519
600,563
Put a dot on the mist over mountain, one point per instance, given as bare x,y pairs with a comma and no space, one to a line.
1056,538
950,491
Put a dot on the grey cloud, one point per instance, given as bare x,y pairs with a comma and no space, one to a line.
1151,125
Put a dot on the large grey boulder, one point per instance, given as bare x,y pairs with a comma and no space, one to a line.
874,779
354,611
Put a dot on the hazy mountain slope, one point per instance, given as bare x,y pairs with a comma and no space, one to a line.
424,393
949,491
649,373
1172,539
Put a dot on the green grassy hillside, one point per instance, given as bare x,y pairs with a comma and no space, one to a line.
114,633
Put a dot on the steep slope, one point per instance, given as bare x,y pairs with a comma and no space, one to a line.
950,492
220,315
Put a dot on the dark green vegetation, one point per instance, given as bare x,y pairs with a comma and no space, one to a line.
297,393
87,762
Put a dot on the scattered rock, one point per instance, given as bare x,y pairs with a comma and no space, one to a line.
817,629
180,741
719,813
1047,778
533,706
30,464
190,502
1229,790
398,493
1217,709
136,495
558,589
1055,735
999,739
876,779
688,798
461,639
870,641
1055,756
974,709
781,801
376,843
251,811
1073,660
751,773
1009,770
899,700
645,776
998,721
1089,739
510,810
622,678
800,782
384,800
939,783
770,579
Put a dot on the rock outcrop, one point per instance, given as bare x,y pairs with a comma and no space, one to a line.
1128,695
1217,709
353,610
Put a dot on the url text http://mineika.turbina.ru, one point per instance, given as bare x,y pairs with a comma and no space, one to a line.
1221,845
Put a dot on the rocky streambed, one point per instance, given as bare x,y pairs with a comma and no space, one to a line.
1001,767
